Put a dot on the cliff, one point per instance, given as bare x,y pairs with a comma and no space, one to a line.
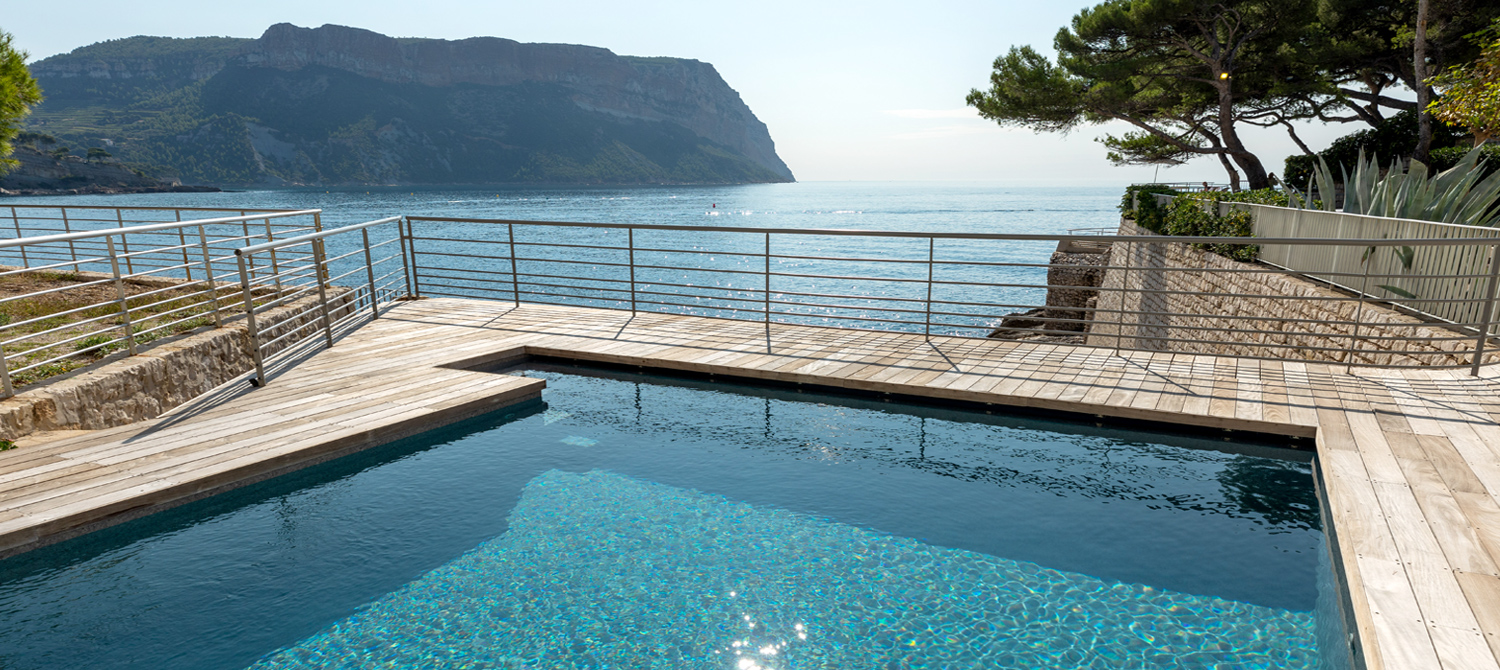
336,105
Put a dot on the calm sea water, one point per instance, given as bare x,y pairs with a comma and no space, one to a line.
920,206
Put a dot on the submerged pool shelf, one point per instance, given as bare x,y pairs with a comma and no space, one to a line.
1405,457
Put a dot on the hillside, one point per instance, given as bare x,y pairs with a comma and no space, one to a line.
342,106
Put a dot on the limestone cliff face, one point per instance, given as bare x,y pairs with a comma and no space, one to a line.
135,65
344,105
688,92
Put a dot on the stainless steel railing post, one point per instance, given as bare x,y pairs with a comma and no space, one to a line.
114,268
403,231
187,263
124,243
321,277
5,385
1489,312
255,352
1359,310
630,241
515,268
415,277
275,264
15,219
245,241
208,269
68,228
767,294
927,320
1124,298
370,272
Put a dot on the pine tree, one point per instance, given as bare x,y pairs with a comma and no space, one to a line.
18,94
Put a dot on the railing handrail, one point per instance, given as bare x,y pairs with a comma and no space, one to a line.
1020,237
167,225
303,239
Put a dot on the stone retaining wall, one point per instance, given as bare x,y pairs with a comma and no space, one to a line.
159,378
1207,307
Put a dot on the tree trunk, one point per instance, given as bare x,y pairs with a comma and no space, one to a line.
1255,173
1234,175
1424,92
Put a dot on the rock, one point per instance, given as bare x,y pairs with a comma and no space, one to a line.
1072,280
1073,270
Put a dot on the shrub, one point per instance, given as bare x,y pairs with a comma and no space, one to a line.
1149,215
1449,157
1192,216
1265,196
1197,215
1298,168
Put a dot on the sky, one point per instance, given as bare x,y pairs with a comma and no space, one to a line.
851,91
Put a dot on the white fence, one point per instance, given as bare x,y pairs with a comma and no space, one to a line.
1447,282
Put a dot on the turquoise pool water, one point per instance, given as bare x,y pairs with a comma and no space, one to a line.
635,521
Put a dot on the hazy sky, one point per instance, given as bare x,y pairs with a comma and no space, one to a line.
851,91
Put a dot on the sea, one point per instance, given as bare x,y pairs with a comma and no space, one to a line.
909,206
883,284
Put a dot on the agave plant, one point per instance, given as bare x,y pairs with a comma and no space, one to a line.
1456,195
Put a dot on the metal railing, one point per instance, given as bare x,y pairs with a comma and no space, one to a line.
29,221
1149,294
326,292
67,298
1189,186
1139,293
1441,284
1431,283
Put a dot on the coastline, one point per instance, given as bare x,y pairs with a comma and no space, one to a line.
95,189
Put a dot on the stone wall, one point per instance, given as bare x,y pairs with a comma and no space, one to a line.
1212,312
163,376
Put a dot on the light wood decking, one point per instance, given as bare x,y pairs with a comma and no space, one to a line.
1409,460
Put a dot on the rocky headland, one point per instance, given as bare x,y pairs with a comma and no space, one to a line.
337,105
40,173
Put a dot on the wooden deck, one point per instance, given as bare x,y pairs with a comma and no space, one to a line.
1409,460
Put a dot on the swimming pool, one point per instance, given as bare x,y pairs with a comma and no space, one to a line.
633,520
